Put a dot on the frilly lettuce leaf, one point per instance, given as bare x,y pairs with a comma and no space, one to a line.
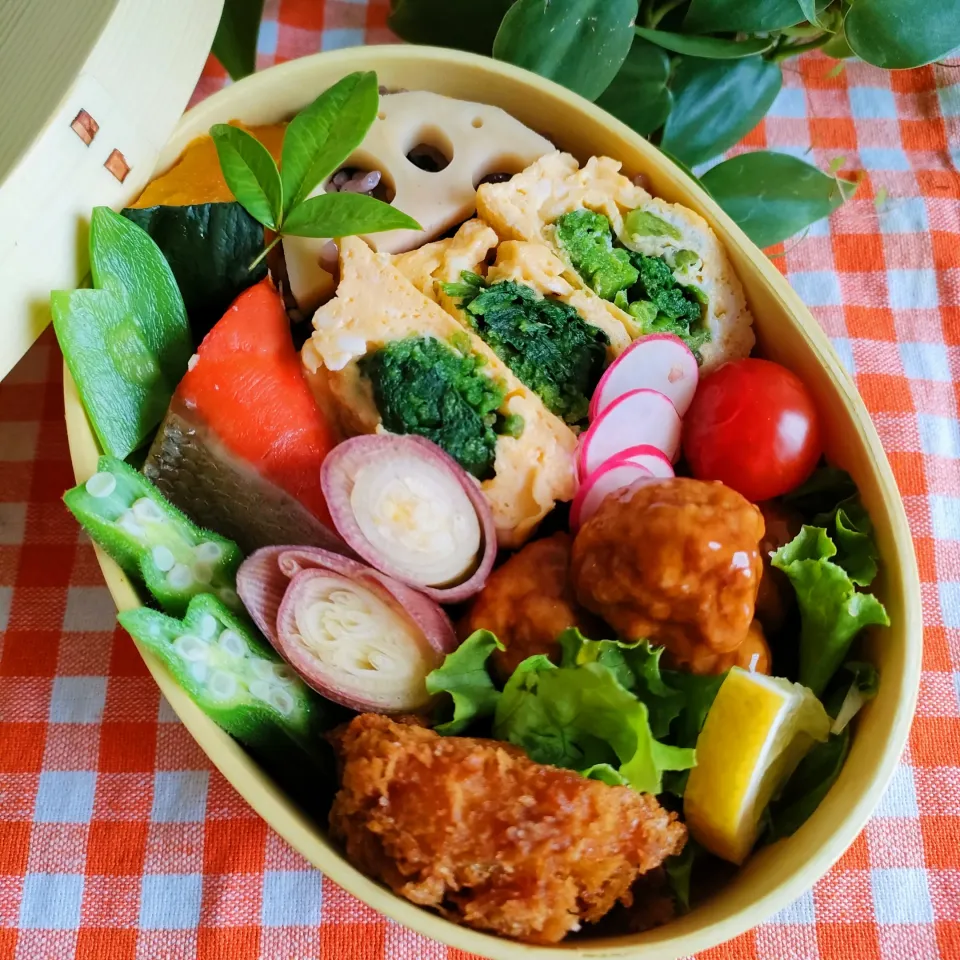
853,535
829,499
464,676
832,611
676,701
582,718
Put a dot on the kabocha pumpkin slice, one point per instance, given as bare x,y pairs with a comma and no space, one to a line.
242,443
390,358
208,239
126,515
196,176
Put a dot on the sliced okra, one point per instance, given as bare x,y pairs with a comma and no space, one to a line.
151,539
232,674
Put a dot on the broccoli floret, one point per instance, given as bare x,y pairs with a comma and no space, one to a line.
544,342
437,390
587,240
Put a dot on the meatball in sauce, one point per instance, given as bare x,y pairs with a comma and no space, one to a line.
676,561
775,597
527,603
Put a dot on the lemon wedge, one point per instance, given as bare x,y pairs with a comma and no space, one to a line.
756,733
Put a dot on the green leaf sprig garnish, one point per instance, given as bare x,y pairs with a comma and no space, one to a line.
316,143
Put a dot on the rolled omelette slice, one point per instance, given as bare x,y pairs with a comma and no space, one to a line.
527,207
376,304
477,139
530,263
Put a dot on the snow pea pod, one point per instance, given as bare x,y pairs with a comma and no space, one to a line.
126,342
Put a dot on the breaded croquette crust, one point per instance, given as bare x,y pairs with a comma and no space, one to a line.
487,837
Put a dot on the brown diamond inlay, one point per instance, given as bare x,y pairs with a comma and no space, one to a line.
85,127
116,163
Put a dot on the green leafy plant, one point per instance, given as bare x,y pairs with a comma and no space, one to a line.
695,76
316,142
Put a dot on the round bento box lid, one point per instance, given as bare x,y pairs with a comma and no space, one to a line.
90,90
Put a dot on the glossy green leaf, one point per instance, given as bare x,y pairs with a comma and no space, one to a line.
899,34
320,137
463,26
235,44
715,103
639,95
579,43
209,247
345,215
684,168
711,48
772,196
838,47
735,16
250,172
810,12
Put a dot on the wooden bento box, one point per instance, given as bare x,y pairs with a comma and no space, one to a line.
786,332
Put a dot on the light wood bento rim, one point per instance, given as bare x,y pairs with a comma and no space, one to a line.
665,943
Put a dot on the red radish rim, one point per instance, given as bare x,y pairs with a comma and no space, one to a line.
336,480
585,439
645,450
641,449
587,486
309,669
592,411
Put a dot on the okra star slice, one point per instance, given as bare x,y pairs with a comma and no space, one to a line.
232,674
132,521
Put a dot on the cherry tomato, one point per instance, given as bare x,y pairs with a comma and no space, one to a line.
752,425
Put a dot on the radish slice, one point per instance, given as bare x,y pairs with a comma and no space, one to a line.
638,418
647,456
612,476
660,362
409,510
356,636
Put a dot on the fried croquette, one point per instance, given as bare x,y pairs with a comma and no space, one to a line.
487,837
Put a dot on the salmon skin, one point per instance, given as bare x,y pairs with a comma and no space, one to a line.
241,446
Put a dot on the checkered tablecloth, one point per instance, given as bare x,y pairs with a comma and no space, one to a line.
119,842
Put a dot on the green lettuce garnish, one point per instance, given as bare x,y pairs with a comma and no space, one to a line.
677,701
581,717
594,713
832,610
464,676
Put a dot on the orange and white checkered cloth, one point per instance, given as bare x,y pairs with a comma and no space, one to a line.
118,841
